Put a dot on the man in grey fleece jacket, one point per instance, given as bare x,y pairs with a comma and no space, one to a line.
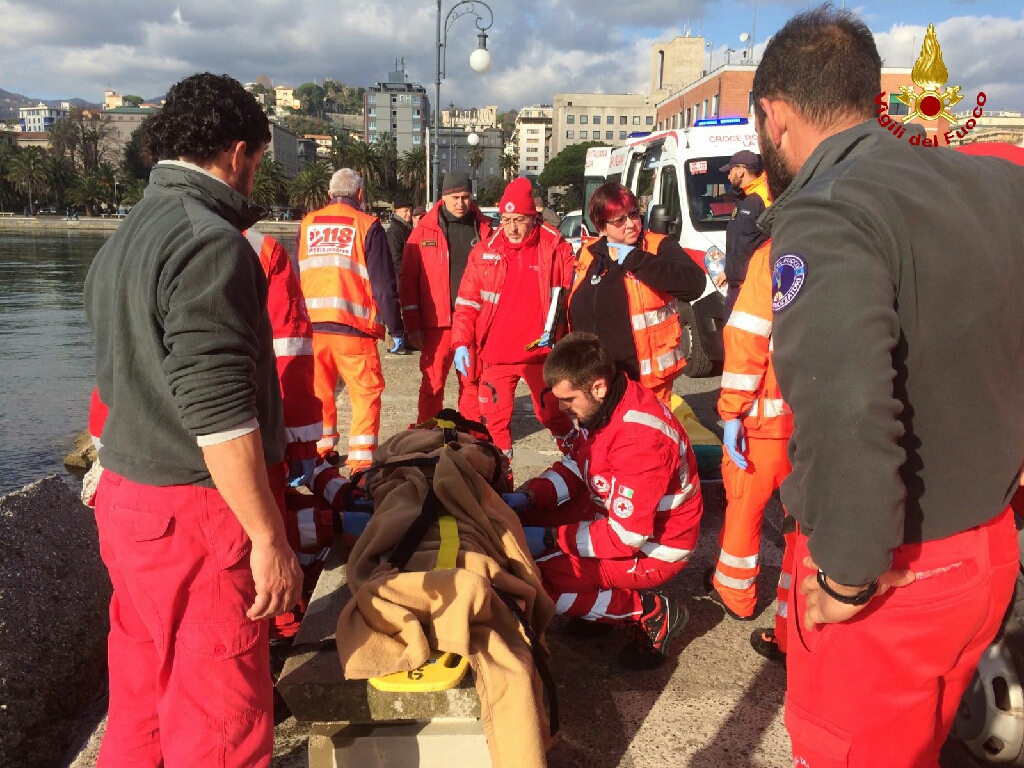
189,523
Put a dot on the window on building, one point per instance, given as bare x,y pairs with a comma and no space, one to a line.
650,119
623,119
714,105
622,135
371,100
897,107
707,112
750,102
583,119
570,119
609,135
569,134
636,119
689,117
415,113
394,113
597,119
415,138
583,134
373,125
674,121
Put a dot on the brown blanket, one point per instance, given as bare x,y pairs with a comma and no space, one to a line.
396,617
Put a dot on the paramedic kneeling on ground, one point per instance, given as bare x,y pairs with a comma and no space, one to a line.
621,512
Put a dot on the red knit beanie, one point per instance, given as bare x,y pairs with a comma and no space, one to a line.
518,198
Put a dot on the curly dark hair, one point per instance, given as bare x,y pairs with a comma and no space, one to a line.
204,115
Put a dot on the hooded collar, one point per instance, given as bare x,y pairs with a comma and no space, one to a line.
859,139
604,412
188,178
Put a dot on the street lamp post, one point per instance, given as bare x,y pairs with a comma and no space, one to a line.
479,61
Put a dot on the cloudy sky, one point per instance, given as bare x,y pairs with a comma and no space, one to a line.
75,48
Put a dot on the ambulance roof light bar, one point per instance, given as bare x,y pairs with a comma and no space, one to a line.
721,121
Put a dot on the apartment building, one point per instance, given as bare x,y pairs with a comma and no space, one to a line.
40,118
397,107
605,117
453,151
468,119
997,125
126,120
284,98
532,139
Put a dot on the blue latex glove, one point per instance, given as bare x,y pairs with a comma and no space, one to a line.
462,360
535,540
545,339
734,437
300,472
354,523
618,251
517,502
399,343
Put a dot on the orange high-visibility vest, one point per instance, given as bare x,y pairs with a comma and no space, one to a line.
654,317
332,266
749,388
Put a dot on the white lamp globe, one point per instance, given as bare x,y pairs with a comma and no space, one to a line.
480,60
473,139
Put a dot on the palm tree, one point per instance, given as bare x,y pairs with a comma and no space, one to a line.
8,194
341,150
60,175
475,156
509,166
309,187
87,191
270,184
412,168
363,159
27,171
387,152
106,175
133,191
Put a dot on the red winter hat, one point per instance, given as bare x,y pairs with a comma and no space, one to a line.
518,198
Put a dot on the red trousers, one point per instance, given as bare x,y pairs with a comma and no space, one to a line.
189,673
748,491
883,688
497,392
436,359
356,360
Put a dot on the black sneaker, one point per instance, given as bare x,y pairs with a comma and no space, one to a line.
709,587
662,620
587,630
765,643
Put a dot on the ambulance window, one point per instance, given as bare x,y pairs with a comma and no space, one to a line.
645,188
709,197
634,164
668,195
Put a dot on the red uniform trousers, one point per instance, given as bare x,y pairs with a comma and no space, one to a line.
436,359
604,590
497,392
189,673
883,689
357,361
747,491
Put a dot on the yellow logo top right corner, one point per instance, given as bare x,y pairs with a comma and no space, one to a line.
934,100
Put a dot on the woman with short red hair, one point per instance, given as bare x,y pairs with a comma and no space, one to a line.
626,290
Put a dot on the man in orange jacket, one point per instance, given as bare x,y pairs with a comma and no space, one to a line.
433,262
348,280
758,424
501,310
743,237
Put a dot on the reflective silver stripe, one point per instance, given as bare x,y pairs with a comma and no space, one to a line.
410,307
785,581
604,599
672,500
639,417
583,543
665,553
326,442
490,296
745,321
467,303
334,302
729,581
292,346
360,455
745,382
782,609
332,488
645,367
565,601
362,440
669,359
572,466
774,407
561,489
304,559
255,239
651,317
307,528
305,434
553,555
342,262
737,562
322,466
629,538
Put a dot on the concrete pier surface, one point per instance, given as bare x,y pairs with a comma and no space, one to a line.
715,704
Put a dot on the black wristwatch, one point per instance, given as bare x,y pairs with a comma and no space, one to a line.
549,538
858,599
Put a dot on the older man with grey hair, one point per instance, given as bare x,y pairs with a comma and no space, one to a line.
349,284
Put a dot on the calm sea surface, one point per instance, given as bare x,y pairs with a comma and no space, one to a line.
46,364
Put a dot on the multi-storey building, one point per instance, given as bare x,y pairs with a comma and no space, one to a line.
605,117
997,125
284,147
284,98
532,139
477,117
323,142
125,120
454,151
397,107
40,118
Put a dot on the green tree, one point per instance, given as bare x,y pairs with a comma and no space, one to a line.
312,97
566,169
412,170
8,192
270,185
475,157
386,148
106,176
301,124
87,191
509,166
86,137
133,191
341,150
136,162
60,176
27,171
363,159
491,192
133,100
309,188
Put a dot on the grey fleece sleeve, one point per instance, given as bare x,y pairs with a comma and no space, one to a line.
382,279
212,303
834,339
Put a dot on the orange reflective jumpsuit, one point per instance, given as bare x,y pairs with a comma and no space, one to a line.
750,392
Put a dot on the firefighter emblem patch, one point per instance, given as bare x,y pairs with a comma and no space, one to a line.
622,507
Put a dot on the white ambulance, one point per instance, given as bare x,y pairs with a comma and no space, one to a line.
675,176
